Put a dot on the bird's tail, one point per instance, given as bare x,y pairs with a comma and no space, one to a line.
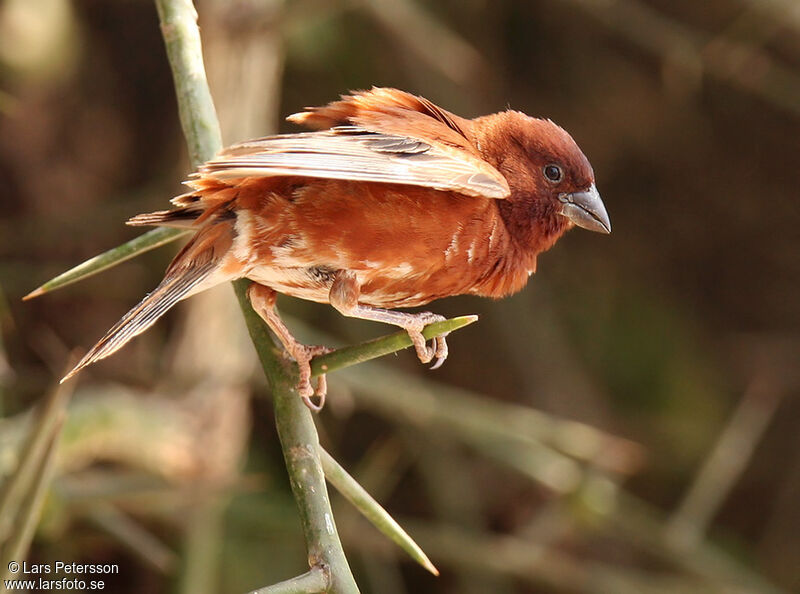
181,218
193,266
209,199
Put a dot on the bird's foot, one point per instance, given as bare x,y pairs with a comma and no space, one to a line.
303,354
344,294
438,347
262,299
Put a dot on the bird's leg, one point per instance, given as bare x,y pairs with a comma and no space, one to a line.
344,294
263,300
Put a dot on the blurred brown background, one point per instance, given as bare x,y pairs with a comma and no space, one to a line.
673,342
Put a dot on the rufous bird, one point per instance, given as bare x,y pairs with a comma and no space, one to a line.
392,202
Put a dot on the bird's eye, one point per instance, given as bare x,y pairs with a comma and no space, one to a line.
553,173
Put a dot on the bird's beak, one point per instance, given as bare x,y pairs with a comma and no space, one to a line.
586,210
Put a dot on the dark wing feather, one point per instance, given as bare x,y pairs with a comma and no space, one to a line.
354,153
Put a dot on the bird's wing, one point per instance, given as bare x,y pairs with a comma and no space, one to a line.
391,111
355,153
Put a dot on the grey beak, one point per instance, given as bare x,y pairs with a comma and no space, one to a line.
586,210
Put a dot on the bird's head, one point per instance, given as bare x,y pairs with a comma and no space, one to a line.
552,183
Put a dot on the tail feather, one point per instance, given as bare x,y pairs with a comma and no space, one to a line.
172,289
193,265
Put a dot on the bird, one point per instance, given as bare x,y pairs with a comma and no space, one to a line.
387,201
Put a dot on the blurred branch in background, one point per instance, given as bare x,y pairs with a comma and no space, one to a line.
577,462
785,12
744,65
187,441
543,566
26,517
135,537
6,372
558,369
244,55
643,526
543,444
23,490
725,463
430,40
181,459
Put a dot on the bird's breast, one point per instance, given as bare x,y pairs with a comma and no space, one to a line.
406,246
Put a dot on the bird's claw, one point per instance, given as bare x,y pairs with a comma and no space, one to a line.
303,355
438,347
441,352
320,392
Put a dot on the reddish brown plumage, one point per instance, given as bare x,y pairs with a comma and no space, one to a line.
393,202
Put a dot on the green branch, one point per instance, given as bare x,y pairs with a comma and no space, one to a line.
385,345
309,583
296,429
300,444
372,510
108,259
199,121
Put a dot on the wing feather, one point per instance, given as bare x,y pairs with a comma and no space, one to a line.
354,153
